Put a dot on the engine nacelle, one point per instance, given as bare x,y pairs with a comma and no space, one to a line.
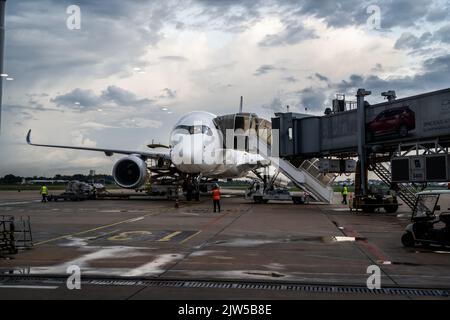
130,172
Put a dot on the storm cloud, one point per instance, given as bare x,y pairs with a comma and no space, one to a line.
85,99
136,66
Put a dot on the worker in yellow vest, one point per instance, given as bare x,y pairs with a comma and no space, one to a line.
344,193
44,193
216,197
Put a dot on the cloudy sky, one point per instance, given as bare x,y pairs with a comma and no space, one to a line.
135,66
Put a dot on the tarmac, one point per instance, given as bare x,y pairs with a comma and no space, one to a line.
141,249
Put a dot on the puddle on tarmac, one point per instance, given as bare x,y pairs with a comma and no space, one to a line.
222,258
233,274
241,242
265,274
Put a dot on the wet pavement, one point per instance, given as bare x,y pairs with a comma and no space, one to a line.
277,243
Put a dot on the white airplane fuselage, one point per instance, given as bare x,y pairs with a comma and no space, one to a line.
198,149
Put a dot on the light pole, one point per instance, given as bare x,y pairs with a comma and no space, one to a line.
2,49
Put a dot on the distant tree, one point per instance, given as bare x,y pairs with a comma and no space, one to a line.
11,179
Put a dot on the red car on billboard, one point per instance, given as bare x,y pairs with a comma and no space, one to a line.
395,121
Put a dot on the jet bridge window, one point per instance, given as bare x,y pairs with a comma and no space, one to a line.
241,123
194,130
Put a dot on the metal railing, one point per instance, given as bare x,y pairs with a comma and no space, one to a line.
406,192
15,234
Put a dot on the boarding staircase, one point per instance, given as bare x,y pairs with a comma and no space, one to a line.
406,192
305,175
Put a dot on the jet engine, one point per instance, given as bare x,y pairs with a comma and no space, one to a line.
130,172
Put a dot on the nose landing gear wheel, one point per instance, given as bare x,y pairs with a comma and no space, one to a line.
408,240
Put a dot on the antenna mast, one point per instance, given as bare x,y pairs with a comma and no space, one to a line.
241,105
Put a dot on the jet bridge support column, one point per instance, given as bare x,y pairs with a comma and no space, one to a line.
361,124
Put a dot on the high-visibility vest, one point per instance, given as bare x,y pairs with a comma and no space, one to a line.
345,191
216,194
44,190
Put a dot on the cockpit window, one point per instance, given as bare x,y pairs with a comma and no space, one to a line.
195,129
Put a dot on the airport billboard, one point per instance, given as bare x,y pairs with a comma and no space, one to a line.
419,117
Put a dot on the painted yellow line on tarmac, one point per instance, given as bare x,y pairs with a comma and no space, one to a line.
90,230
169,237
189,238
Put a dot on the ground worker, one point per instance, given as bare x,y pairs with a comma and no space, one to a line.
216,197
344,193
94,192
44,193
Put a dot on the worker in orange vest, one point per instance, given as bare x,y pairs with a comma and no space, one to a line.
216,197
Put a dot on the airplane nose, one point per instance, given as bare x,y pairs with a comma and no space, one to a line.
188,150
196,150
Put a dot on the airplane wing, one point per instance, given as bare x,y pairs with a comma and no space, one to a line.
107,152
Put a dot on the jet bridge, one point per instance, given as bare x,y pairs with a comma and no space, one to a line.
419,118
375,134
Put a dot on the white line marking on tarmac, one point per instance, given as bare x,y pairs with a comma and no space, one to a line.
17,203
155,266
29,287
344,239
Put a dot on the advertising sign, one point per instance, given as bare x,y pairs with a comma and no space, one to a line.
420,117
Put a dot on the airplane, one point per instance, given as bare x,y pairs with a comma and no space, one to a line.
203,147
